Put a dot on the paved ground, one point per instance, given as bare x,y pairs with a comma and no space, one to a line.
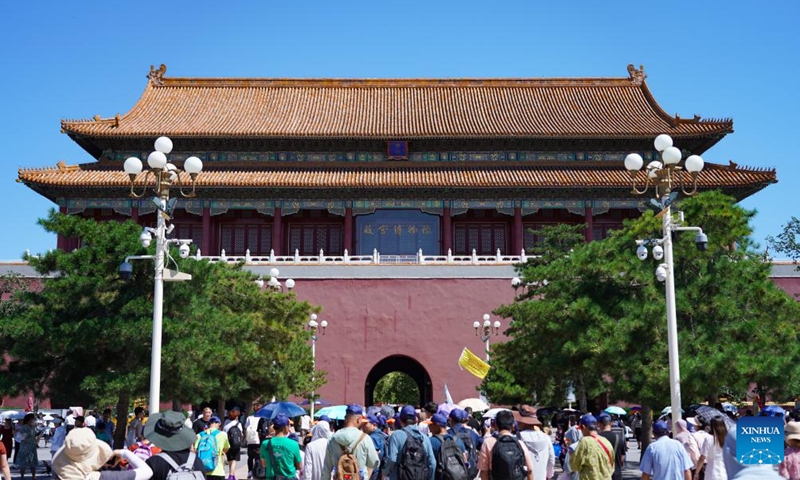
631,470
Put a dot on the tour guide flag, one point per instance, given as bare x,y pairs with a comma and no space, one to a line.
474,365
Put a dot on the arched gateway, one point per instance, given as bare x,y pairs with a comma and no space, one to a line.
404,364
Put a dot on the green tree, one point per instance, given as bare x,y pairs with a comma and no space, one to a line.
787,241
84,336
594,314
397,387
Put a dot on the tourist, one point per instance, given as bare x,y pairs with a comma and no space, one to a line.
110,425
439,435
701,436
636,425
351,436
201,423
27,458
83,457
593,458
7,434
373,427
4,468
168,431
253,440
504,424
135,427
407,419
59,434
470,438
221,447
688,441
665,458
616,438
539,444
102,434
287,461
790,467
711,452
314,458
234,453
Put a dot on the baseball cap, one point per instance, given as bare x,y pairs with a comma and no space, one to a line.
588,419
439,419
660,427
280,420
408,412
214,419
458,415
324,418
603,415
354,409
373,420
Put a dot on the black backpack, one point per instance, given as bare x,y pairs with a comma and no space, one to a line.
263,429
413,461
508,459
450,464
472,452
235,436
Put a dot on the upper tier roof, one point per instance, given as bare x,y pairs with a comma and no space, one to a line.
401,109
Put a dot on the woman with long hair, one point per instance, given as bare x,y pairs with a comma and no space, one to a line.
711,451
28,457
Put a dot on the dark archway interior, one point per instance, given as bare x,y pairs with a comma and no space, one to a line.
399,363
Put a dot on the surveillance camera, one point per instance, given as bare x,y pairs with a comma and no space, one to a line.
641,252
183,251
126,271
658,252
145,238
661,273
701,240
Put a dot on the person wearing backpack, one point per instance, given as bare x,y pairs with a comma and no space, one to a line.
448,451
168,431
539,445
409,455
504,456
211,445
469,438
233,429
350,452
280,455
374,428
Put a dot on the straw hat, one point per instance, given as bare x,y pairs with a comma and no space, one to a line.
792,431
80,455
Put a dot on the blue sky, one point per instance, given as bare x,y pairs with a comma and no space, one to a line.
713,58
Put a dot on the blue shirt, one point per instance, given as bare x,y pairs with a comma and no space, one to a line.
477,440
436,444
665,459
396,442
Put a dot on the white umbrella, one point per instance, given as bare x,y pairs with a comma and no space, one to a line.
493,412
12,414
476,404
668,411
48,417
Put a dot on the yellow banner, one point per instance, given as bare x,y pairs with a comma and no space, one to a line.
474,365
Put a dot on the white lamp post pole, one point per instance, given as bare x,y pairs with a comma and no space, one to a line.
663,176
314,327
163,175
488,329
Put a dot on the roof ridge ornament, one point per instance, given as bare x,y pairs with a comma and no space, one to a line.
156,75
636,76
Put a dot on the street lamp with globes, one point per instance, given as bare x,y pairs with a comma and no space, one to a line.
485,330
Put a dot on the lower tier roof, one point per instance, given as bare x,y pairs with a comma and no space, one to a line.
265,181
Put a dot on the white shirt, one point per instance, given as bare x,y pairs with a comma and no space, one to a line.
305,422
542,453
715,467
314,459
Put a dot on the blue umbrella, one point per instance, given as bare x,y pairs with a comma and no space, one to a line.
271,410
336,412
615,410
772,411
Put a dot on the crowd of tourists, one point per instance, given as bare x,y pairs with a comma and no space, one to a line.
377,443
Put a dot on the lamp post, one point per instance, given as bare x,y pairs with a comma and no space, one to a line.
161,176
315,327
485,330
663,176
273,281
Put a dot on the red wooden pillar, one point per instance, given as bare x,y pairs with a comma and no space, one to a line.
135,214
61,241
205,248
589,234
348,230
277,232
517,242
447,231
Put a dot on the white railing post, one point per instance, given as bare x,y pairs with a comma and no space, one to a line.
272,256
420,259
346,256
375,257
321,256
499,255
474,257
522,257
449,255
247,256
222,256
197,254
296,255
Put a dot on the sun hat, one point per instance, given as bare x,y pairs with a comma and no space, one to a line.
792,431
81,455
168,431
526,420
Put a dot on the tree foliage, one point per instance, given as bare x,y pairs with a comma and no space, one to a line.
397,388
593,314
85,336
787,242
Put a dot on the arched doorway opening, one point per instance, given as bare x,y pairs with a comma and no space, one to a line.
404,364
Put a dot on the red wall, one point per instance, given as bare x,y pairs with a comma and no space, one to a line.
429,320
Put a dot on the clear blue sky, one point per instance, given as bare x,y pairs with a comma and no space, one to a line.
713,58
